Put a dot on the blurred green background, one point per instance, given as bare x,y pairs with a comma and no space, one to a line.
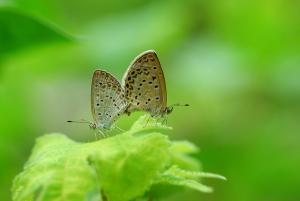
237,63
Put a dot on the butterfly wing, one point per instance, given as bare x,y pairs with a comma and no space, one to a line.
144,84
107,99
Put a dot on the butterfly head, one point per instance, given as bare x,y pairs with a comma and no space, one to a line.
170,108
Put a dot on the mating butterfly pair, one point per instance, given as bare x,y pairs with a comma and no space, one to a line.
143,88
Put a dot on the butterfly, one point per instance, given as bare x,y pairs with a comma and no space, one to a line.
143,89
108,101
145,86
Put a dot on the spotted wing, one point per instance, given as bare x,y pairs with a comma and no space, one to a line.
107,99
144,84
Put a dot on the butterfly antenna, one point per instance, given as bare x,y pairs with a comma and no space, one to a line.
80,121
177,104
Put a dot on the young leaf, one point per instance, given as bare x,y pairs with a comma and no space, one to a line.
129,168
119,168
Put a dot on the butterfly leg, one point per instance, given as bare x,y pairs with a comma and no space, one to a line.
120,129
96,136
101,134
156,121
165,120
147,121
156,117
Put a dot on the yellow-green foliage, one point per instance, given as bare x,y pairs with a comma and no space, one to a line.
119,168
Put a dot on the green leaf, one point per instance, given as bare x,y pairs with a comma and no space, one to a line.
57,169
184,147
19,31
179,177
119,168
181,157
131,164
